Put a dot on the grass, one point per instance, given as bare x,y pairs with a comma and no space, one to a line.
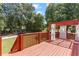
7,45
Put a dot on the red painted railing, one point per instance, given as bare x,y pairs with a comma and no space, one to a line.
33,38
26,40
29,39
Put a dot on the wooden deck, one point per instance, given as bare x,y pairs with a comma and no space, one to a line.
54,48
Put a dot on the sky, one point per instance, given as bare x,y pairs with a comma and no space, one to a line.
40,7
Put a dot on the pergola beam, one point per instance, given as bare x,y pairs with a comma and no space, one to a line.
69,22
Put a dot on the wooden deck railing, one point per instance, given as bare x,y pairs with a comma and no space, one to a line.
68,35
29,39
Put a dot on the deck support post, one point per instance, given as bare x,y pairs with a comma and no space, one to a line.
53,32
49,32
77,33
62,32
39,37
0,45
21,42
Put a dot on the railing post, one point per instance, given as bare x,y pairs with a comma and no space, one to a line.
0,45
21,42
49,31
38,37
49,36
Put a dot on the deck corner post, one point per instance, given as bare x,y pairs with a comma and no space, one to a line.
21,41
0,46
49,31
38,37
49,36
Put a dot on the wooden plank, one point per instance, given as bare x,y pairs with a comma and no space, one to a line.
48,50
59,52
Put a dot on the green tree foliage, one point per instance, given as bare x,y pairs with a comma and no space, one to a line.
2,19
20,17
38,22
62,12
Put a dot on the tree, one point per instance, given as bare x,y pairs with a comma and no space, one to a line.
62,12
21,18
18,15
2,19
49,15
38,22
